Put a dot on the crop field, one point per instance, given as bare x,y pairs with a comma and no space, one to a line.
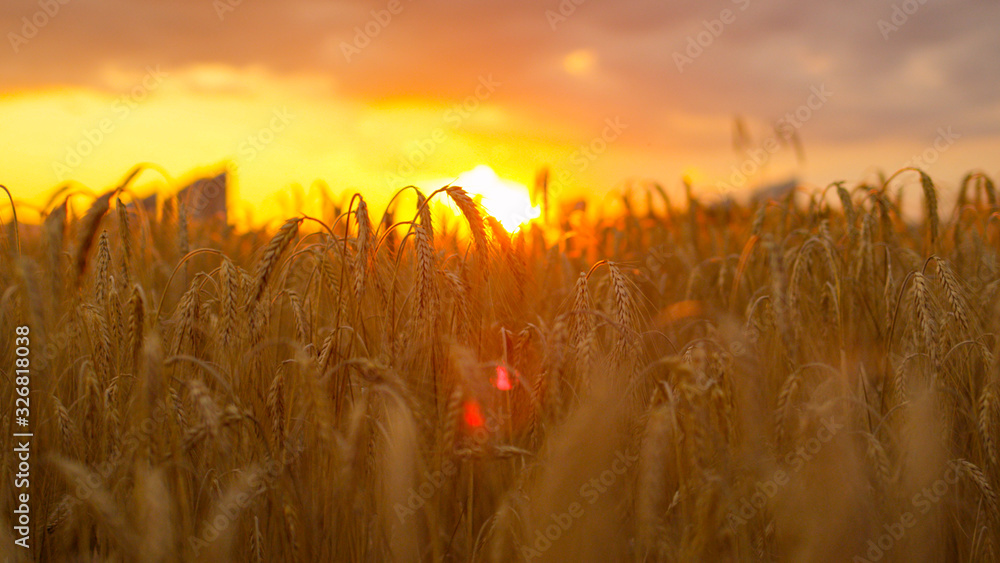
809,378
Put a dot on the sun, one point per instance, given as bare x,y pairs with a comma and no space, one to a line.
579,62
506,200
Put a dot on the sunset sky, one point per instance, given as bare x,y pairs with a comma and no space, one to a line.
372,96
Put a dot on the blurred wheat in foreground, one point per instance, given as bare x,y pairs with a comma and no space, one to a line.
811,379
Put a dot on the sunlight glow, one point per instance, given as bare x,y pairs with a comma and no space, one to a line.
508,201
579,62
694,176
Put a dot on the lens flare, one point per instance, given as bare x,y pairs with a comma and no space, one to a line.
506,200
472,415
503,382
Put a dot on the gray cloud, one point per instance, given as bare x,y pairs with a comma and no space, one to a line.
938,68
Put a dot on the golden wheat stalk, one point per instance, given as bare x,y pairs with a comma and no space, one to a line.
272,253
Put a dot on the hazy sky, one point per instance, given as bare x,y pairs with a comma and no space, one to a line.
374,95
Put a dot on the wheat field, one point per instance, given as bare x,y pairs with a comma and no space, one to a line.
808,379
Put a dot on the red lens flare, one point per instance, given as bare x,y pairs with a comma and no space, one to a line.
471,414
503,381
